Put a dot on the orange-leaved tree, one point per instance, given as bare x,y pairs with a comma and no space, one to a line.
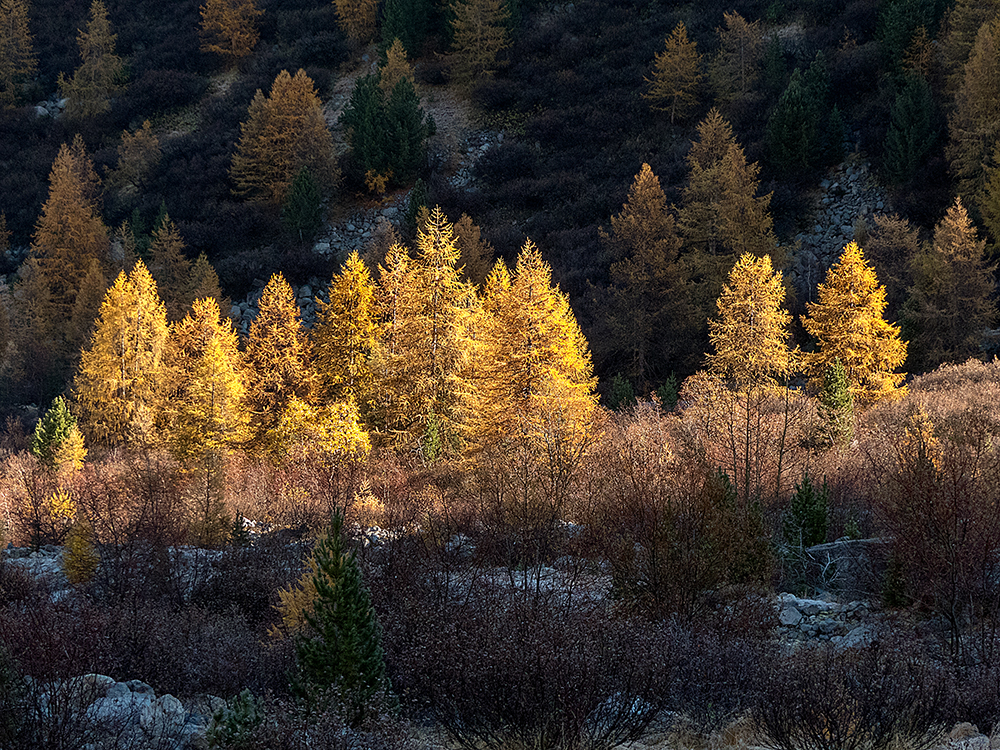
229,28
284,132
676,75
847,323
122,378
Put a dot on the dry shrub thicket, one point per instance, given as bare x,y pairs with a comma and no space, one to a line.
545,604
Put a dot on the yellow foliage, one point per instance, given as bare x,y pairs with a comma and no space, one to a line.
395,69
97,80
357,18
295,601
59,506
750,335
376,182
69,455
332,430
848,325
80,559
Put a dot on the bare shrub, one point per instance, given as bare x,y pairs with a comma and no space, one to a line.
822,698
935,464
672,529
501,670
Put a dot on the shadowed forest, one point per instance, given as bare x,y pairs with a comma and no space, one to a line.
571,451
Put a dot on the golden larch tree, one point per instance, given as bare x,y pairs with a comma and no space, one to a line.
70,232
98,79
346,334
357,18
676,75
529,401
847,324
395,69
229,28
279,361
121,381
139,154
17,57
750,335
284,132
479,35
951,300
974,124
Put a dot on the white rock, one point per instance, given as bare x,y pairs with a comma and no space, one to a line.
118,711
789,616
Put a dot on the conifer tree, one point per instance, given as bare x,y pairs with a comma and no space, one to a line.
284,132
70,232
990,204
139,154
475,254
279,360
736,67
229,28
806,520
532,389
848,326
50,432
357,18
342,651
121,380
346,334
405,20
302,211
203,282
34,365
912,131
171,269
479,35
951,301
395,68
98,79
647,302
960,26
86,308
974,125
750,335
676,75
892,245
836,406
17,57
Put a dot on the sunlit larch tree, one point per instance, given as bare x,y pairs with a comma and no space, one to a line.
529,402
121,380
847,324
346,334
205,413
750,334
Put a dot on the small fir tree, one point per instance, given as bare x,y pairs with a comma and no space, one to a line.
405,20
51,431
836,407
913,130
303,209
806,520
343,652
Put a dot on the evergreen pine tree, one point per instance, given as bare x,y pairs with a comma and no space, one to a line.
806,520
53,428
407,129
836,406
302,212
342,652
405,20
912,131
17,58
